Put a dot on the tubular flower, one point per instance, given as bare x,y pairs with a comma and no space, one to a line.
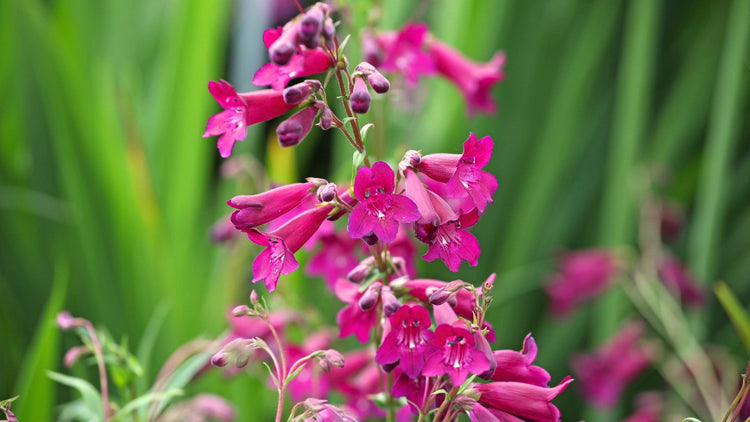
517,366
404,52
456,356
282,243
308,62
254,210
582,276
409,341
451,243
379,211
473,79
241,111
353,319
605,373
517,401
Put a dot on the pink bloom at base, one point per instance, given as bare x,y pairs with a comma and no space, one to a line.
583,275
241,111
410,340
604,374
380,210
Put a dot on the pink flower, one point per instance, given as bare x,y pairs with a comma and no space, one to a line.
241,111
404,52
336,256
517,366
583,275
679,281
451,243
411,388
456,356
410,340
605,373
517,401
308,62
353,319
649,406
380,210
294,129
475,80
282,243
255,210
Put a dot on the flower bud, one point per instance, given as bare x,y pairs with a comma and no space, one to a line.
370,297
219,359
440,296
326,119
390,302
297,93
241,310
329,30
66,321
378,82
294,129
282,51
327,193
360,97
360,272
75,353
488,284
254,297
314,405
370,238
309,27
330,358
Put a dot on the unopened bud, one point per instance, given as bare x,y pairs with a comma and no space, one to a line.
370,297
412,159
326,119
297,93
378,82
329,30
488,284
331,358
314,405
310,25
360,272
254,297
66,321
360,97
294,129
219,359
327,193
241,310
282,51
390,302
440,296
370,238
75,353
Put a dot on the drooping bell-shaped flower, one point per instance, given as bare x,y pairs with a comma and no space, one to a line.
241,111
517,401
282,243
474,80
604,374
410,340
380,210
517,366
254,210
456,356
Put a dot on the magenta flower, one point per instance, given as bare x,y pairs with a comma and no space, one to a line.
451,243
282,243
604,374
410,340
423,288
678,280
404,52
649,407
463,173
475,80
294,129
517,366
336,256
241,111
456,356
411,388
518,401
308,62
583,275
380,210
353,319
264,207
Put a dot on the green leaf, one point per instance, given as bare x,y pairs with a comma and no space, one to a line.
141,403
691,420
91,397
740,319
343,44
183,375
363,131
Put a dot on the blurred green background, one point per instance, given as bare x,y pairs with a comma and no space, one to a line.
107,190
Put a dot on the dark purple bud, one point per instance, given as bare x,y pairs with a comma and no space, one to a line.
310,25
282,51
370,297
294,129
326,119
360,97
297,93
370,238
219,359
327,193
440,296
390,303
329,30
378,82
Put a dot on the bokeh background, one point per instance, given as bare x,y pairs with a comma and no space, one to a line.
107,190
